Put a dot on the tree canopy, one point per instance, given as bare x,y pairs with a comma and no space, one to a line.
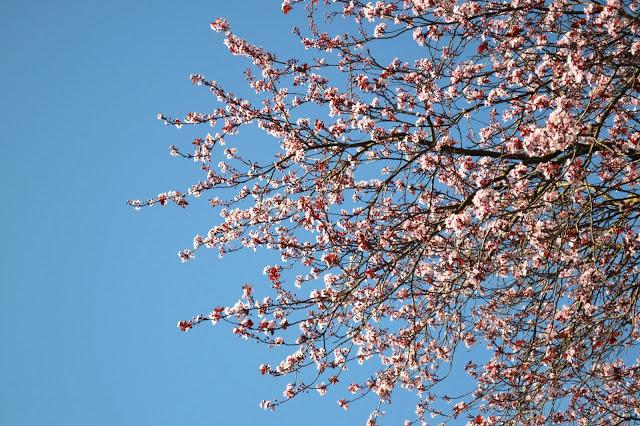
446,176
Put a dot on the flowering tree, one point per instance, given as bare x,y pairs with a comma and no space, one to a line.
480,192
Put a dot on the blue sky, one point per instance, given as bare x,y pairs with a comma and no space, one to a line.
91,291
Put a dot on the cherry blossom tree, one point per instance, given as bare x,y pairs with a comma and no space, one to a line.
447,178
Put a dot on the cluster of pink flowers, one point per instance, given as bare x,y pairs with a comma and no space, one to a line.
480,191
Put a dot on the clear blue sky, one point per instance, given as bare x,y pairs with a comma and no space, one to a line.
91,291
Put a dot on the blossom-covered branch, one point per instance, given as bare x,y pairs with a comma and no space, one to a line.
478,188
